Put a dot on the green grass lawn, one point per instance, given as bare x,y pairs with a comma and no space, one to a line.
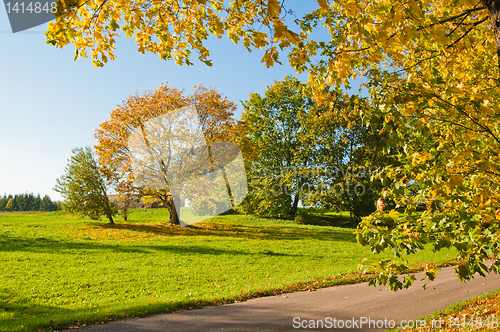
58,270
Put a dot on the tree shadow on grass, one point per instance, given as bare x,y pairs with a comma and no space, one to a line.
330,220
236,231
26,313
42,245
58,317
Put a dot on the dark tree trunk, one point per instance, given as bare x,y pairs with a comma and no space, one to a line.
175,219
494,10
109,212
295,204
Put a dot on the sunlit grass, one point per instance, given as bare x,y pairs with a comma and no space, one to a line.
58,270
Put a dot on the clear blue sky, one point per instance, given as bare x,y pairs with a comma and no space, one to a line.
50,104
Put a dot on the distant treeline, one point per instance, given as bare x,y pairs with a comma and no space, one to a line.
27,202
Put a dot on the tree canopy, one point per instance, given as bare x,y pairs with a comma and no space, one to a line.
276,127
113,151
363,33
316,155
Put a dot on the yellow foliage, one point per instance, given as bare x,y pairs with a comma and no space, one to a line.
216,113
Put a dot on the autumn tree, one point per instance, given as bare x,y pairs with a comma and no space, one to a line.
430,69
83,187
215,113
124,203
431,73
9,205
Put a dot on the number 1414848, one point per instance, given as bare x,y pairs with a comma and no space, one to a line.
31,7
473,323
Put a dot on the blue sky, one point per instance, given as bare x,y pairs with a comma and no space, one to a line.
50,104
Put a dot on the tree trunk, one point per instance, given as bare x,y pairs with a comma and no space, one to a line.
494,11
295,205
109,212
175,219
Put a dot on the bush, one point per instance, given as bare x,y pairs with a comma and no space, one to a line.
303,218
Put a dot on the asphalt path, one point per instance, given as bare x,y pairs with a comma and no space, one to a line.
356,307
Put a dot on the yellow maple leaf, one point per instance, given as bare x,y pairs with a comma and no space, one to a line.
323,4
273,9
455,181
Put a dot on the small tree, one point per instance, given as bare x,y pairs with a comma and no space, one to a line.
47,205
9,205
83,188
124,202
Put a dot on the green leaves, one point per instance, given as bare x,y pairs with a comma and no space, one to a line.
277,127
83,187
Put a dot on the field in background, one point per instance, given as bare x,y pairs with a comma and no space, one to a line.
58,270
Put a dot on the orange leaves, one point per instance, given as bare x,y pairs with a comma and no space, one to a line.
420,158
323,4
342,67
279,29
172,30
112,136
473,315
352,8
273,9
400,33
441,36
171,23
270,57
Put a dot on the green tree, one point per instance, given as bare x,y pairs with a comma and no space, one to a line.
322,156
47,205
276,128
348,153
3,202
83,187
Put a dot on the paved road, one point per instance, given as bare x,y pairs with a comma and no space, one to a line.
348,303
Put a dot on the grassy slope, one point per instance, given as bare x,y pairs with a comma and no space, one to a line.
58,270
